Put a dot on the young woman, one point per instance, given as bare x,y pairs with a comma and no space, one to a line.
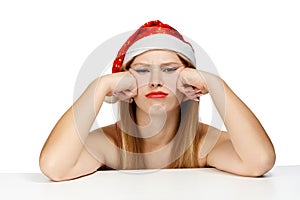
158,89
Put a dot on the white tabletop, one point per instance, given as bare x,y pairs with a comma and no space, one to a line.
282,182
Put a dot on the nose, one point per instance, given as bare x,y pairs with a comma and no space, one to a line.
156,79
155,85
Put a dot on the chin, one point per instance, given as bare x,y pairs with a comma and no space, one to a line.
157,104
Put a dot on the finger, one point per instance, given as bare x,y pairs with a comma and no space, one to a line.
140,79
194,98
134,92
185,99
202,91
181,84
133,73
128,93
181,89
198,91
189,89
189,96
123,97
179,70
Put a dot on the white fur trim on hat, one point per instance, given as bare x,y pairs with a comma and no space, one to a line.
162,42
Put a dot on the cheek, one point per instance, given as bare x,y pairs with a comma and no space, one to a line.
170,82
141,92
141,101
142,81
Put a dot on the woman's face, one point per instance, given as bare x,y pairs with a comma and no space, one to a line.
157,72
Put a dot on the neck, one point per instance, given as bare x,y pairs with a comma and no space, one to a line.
157,128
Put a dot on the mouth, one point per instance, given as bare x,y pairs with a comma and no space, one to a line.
158,94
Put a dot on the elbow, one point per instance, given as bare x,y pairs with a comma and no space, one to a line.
51,170
262,165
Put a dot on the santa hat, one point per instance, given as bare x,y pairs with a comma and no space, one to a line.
153,35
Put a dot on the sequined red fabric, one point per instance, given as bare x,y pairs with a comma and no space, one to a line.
149,28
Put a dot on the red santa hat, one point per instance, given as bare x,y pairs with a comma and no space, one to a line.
153,35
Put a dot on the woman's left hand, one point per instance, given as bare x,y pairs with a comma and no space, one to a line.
192,84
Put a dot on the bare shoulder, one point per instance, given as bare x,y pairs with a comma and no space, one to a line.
207,130
102,143
108,132
209,138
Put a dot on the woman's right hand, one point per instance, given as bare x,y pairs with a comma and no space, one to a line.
121,85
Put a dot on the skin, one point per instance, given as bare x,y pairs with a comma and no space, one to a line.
71,151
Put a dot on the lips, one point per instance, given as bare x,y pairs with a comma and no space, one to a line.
158,94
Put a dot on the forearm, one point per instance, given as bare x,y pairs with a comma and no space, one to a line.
247,135
65,142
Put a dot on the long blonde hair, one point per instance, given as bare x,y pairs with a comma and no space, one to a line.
185,149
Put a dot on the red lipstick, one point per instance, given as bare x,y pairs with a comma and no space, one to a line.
158,94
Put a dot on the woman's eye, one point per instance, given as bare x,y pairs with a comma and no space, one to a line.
141,70
169,69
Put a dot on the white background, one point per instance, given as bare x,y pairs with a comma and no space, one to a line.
254,45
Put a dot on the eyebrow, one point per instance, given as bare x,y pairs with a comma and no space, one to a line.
148,65
144,64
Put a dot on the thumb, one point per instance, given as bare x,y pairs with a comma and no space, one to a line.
179,70
133,72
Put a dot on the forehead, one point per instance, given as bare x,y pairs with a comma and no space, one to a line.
157,56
